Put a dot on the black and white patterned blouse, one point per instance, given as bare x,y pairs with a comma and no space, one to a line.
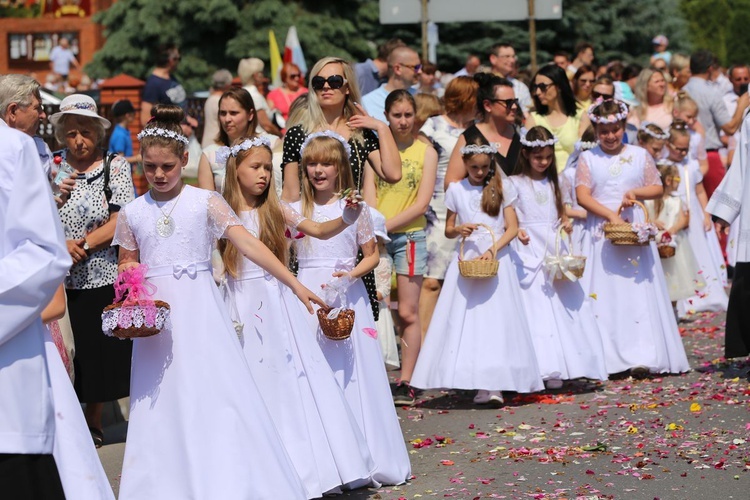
87,210
361,150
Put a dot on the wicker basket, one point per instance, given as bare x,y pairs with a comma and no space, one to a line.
666,251
477,269
339,328
624,234
134,332
563,264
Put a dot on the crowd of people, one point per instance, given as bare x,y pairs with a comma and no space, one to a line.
462,225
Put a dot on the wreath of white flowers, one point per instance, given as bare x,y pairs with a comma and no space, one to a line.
475,149
537,143
617,117
161,132
326,133
644,128
586,145
224,152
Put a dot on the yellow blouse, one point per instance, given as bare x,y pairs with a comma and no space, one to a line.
567,136
395,198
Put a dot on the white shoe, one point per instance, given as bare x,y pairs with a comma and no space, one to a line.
553,383
482,397
496,398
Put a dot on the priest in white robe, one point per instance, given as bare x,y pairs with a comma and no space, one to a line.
33,262
730,204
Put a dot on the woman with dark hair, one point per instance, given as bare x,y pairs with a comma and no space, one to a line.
583,85
557,111
497,107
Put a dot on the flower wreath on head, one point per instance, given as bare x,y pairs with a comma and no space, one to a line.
327,133
224,152
586,145
475,149
537,143
644,128
162,132
617,117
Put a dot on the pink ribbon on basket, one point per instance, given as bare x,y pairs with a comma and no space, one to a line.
132,289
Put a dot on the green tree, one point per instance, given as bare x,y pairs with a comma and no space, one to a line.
707,20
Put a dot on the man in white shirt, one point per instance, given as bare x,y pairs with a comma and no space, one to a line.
33,263
739,77
61,58
250,71
471,66
503,61
403,69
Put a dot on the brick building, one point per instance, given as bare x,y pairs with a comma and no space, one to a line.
29,29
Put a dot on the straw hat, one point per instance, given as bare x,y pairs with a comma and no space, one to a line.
78,104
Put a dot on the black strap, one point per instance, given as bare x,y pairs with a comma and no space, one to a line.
107,162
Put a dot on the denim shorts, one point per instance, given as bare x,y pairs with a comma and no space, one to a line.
409,252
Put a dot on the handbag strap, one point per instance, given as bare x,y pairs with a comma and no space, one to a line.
107,163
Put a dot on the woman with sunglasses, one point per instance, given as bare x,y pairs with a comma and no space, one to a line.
497,107
557,111
651,91
583,85
604,89
283,96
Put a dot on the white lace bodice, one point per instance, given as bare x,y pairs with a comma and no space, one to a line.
201,217
465,200
611,176
536,201
343,246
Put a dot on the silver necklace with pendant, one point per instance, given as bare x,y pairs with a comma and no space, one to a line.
165,224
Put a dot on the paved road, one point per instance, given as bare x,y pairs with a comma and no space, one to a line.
674,437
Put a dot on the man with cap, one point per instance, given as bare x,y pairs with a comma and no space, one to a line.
21,108
120,142
221,81
660,43
250,71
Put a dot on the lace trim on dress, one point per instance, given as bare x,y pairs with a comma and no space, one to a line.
293,218
220,215
124,236
727,200
365,231
651,175
583,173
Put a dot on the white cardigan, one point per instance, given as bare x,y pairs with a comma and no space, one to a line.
33,262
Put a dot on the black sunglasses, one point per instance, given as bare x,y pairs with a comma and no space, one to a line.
508,103
597,95
334,81
541,86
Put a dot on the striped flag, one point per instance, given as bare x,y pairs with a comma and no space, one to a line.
275,58
293,50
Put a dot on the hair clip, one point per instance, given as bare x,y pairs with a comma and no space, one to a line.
475,149
327,133
161,132
224,152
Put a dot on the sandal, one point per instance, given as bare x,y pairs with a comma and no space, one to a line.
98,436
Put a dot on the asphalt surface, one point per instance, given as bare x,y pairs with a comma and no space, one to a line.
667,437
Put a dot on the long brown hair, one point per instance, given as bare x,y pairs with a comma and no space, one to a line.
523,167
492,192
245,100
324,149
271,221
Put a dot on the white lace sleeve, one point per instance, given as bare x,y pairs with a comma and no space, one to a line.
292,217
583,174
383,276
365,231
220,215
651,175
124,236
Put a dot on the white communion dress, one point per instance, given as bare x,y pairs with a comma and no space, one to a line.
680,270
318,429
357,362
198,425
705,246
479,336
565,334
626,283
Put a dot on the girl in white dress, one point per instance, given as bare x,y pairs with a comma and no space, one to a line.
565,336
198,425
479,337
667,212
652,138
356,362
308,407
575,212
686,109
625,283
701,234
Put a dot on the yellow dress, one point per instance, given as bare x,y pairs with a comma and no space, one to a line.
395,198
567,136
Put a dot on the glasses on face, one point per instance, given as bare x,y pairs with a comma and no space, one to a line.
416,67
683,151
295,76
334,81
508,103
586,81
599,95
541,86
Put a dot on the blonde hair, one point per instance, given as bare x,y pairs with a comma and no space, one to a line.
428,106
324,149
682,101
314,120
666,170
271,221
641,92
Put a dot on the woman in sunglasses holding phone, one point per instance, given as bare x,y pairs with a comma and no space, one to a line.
498,107
282,97
556,109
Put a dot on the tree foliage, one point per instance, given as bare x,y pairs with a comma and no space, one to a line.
720,26
217,33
